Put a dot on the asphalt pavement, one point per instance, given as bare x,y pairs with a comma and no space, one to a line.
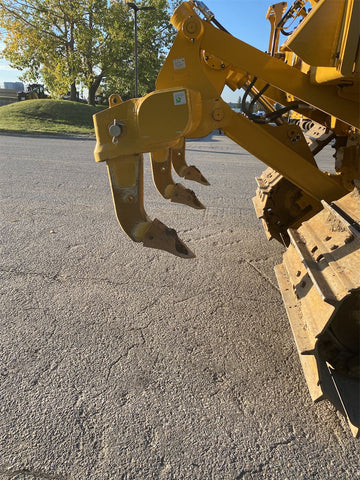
119,362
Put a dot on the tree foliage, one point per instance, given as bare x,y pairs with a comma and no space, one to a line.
67,42
155,35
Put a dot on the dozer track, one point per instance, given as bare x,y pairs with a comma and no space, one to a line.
319,281
308,91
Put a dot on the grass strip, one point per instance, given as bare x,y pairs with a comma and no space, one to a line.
46,116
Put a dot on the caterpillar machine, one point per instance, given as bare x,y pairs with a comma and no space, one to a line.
33,92
308,91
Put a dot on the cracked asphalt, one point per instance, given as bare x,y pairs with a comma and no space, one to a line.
124,363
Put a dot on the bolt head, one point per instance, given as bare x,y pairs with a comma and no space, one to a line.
115,130
218,114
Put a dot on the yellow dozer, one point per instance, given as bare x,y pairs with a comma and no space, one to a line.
308,92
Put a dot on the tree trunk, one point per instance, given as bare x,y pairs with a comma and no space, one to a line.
93,89
73,96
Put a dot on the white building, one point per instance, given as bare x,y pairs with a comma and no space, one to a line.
12,85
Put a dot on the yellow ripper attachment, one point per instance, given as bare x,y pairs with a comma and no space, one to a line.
124,132
319,281
161,169
177,158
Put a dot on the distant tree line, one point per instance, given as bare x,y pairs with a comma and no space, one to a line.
64,43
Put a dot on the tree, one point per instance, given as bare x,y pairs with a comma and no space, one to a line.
66,42
238,104
41,40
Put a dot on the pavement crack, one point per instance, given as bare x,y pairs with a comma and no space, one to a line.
151,304
141,327
124,355
283,442
265,277
31,274
197,295
252,472
194,229
112,364
58,277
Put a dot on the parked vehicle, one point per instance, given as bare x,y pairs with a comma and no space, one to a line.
33,91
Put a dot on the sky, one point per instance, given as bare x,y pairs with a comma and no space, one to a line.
245,19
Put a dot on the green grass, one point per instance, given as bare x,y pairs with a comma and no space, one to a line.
55,117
